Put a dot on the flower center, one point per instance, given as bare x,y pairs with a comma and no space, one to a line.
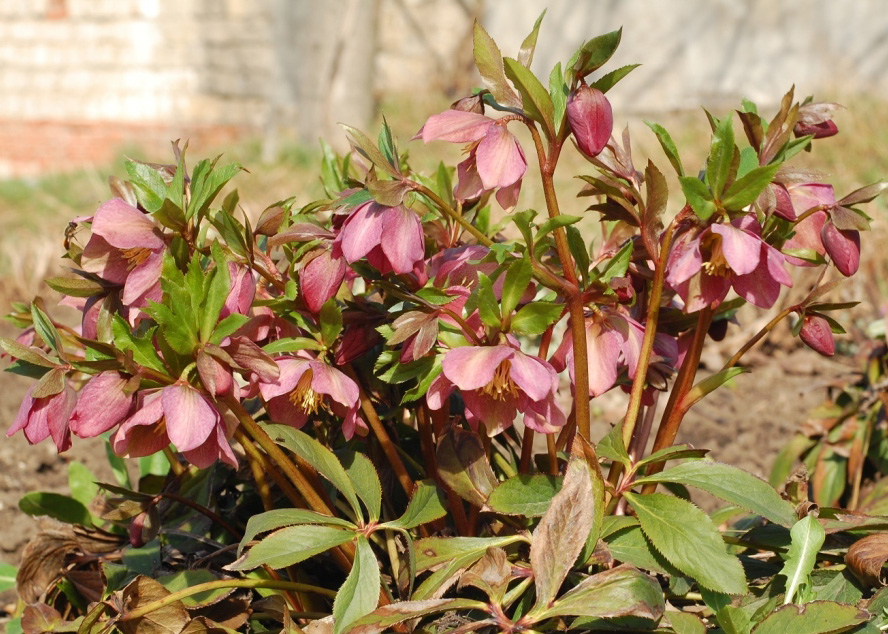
502,386
135,256
715,264
305,398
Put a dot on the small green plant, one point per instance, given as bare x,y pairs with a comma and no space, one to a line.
372,413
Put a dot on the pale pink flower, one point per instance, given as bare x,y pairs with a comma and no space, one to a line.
103,403
46,416
496,383
390,238
320,277
306,388
495,161
126,248
703,267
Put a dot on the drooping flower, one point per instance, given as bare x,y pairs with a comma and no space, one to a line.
590,118
496,383
42,417
305,388
179,414
495,161
816,119
241,292
103,403
126,249
704,267
320,277
817,335
390,238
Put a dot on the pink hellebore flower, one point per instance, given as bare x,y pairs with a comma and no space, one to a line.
390,238
320,277
307,387
179,414
496,382
103,403
591,119
126,248
46,416
703,268
241,292
495,160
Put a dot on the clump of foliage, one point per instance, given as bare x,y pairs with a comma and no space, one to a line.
324,403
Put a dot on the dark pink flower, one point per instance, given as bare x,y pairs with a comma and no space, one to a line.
591,119
103,403
126,248
703,267
46,416
390,238
816,119
320,277
305,388
241,292
843,247
177,414
817,335
496,383
495,161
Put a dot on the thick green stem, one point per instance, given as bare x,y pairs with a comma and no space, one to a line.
271,584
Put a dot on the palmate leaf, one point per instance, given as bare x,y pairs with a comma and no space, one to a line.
686,537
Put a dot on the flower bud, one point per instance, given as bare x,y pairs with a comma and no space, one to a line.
843,247
816,119
817,335
591,119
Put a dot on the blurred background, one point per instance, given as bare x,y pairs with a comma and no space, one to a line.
85,82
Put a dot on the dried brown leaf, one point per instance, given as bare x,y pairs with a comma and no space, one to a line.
866,557
170,619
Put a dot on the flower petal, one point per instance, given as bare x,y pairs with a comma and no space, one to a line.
102,405
534,376
361,231
499,158
685,260
320,279
291,369
544,416
142,279
401,238
190,418
125,227
473,367
330,381
456,126
468,184
496,415
742,250
604,358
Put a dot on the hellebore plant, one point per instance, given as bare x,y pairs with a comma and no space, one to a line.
372,412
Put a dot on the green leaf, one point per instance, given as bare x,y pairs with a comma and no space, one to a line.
668,146
686,537
463,465
148,184
747,188
563,530
721,155
434,551
488,307
34,356
358,596
535,99
527,495
331,321
216,292
622,591
807,538
489,61
578,250
612,447
189,578
609,80
82,483
75,286
291,545
364,478
731,484
46,329
630,546
427,504
61,507
155,464
118,466
817,617
318,456
558,92
535,317
279,518
206,185
708,385
228,326
291,344
595,53
528,46
518,277
674,452
686,623
698,196
7,576
618,264
364,146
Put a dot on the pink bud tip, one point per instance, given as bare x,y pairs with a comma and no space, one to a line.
591,119
817,335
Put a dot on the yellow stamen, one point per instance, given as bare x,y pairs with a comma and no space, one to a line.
715,264
305,398
502,386
135,256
